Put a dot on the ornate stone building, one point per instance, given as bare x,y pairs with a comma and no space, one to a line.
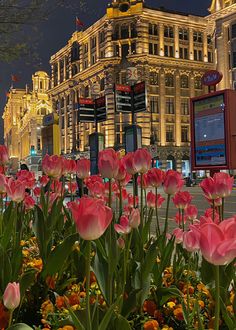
22,117
171,51
222,24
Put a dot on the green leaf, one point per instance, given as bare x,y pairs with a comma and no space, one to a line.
164,294
121,323
129,305
100,269
5,269
149,260
78,325
26,280
107,318
226,316
20,326
207,272
59,255
9,219
39,231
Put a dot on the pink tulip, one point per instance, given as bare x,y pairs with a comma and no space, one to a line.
191,212
182,199
155,177
121,243
37,191
142,160
209,188
191,241
15,190
131,200
151,199
123,227
173,182
26,177
126,180
218,242
95,186
179,219
145,181
68,166
53,166
44,180
3,182
178,233
121,174
134,218
209,214
129,163
108,163
29,203
83,168
91,217
72,187
4,157
224,184
11,296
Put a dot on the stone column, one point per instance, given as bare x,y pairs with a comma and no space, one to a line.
177,109
162,108
191,50
176,48
161,38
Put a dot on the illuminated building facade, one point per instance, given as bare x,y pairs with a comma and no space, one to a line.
222,23
171,51
22,117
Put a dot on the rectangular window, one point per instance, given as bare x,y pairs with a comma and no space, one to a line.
153,29
183,53
197,55
116,50
170,109
133,47
102,53
168,51
197,36
93,42
234,60
169,133
233,31
184,134
210,57
184,107
168,32
154,108
183,34
94,58
153,49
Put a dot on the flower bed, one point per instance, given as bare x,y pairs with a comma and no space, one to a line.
93,263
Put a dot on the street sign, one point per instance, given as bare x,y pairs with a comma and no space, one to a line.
100,109
131,98
95,89
86,110
139,97
123,98
211,78
50,119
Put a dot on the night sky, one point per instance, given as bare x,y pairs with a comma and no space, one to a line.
55,33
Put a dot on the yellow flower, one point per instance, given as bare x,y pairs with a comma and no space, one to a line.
171,304
201,303
46,308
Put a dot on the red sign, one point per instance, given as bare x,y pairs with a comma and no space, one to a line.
123,88
211,78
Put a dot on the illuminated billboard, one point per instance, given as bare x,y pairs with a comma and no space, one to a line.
209,131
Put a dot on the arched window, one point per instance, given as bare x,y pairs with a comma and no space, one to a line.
124,31
198,83
169,80
75,50
184,81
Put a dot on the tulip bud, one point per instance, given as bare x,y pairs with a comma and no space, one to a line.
121,243
11,297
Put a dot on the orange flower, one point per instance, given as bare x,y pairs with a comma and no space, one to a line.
149,306
151,325
60,302
50,281
74,299
178,313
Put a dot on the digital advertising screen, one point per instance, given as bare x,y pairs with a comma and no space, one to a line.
208,125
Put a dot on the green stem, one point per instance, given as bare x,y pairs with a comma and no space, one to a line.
157,218
134,191
188,300
88,316
110,277
217,298
167,215
213,205
10,318
71,196
182,218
